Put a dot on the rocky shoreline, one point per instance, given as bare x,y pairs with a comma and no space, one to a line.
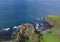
13,33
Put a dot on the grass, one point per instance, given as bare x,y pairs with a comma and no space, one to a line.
52,37
33,38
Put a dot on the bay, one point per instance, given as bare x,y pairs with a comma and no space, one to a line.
16,12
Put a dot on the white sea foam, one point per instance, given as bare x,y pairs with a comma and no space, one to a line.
6,29
37,24
15,27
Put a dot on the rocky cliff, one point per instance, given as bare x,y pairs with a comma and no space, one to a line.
49,21
26,32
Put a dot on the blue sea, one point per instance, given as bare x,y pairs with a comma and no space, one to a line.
16,12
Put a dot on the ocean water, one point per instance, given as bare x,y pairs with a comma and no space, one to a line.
15,12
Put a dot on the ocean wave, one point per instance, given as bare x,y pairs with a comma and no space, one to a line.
6,29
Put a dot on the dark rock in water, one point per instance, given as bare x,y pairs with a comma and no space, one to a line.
6,35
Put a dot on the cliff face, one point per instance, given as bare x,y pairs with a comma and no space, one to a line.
49,21
53,20
25,32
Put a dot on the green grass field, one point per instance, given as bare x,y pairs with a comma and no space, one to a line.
52,37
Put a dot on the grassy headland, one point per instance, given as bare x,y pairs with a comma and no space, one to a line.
53,36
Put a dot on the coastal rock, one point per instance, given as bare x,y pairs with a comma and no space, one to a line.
26,31
49,21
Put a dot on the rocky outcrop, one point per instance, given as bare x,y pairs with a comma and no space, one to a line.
26,31
49,21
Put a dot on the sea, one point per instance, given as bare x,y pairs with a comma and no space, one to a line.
16,12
